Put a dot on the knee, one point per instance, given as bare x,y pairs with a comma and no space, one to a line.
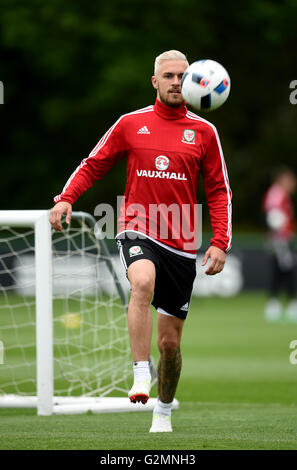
168,346
143,285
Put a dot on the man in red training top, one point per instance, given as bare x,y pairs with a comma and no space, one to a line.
166,147
280,221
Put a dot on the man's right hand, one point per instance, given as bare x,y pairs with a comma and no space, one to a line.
56,213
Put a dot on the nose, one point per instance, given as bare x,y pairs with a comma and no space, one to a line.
176,80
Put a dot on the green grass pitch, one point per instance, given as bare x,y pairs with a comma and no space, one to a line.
237,391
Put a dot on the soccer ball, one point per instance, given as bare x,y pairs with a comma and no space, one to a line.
205,85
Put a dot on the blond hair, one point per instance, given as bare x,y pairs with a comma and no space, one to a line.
168,55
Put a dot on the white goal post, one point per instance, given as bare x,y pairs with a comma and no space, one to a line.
63,329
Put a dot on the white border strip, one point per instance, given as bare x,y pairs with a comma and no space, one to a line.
160,310
177,252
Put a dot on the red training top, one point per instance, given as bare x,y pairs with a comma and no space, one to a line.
279,210
166,148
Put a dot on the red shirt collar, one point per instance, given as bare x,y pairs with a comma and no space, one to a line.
170,112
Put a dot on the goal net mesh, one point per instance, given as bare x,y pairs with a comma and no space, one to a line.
91,344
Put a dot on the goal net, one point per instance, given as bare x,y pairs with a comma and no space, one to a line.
64,343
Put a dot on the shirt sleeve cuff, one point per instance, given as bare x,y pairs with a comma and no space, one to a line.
220,245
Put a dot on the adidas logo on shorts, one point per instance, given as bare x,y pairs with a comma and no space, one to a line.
185,307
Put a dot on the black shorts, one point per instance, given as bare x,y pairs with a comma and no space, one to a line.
175,274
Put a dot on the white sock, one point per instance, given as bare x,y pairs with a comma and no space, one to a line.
163,408
141,370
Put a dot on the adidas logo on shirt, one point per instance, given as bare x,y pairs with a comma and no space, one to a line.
143,130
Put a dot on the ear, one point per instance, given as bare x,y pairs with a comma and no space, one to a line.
155,82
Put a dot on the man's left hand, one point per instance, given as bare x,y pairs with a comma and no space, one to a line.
217,260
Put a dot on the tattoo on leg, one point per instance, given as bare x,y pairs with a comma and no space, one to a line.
168,376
